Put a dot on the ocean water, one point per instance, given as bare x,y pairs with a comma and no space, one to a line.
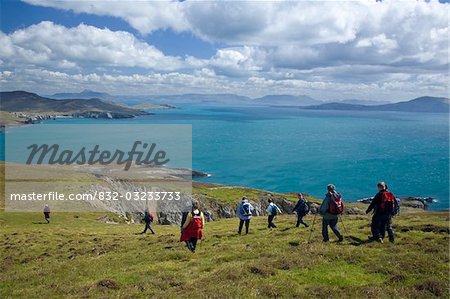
293,150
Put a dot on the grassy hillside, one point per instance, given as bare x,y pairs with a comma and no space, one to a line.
7,118
78,256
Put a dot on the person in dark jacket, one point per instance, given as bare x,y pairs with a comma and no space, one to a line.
329,219
301,208
148,219
47,213
382,218
244,212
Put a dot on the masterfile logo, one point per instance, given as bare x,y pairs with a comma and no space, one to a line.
149,155
87,167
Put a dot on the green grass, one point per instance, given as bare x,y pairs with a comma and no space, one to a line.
77,256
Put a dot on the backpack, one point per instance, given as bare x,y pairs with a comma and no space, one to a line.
396,209
336,204
303,208
245,209
274,210
388,203
148,217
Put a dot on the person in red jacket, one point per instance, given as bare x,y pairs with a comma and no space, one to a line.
192,229
383,205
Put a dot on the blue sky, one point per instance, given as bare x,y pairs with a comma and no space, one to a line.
328,50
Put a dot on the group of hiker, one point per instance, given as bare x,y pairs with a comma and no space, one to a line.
384,205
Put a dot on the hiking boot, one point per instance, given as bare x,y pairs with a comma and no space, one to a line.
391,240
341,239
325,240
379,240
306,225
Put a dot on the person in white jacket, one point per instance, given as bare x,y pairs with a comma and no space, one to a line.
272,211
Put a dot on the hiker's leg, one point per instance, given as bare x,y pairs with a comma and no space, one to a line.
375,227
247,225
273,224
145,228
383,223
47,217
335,229
188,244
241,223
389,229
270,221
325,230
299,220
150,228
303,222
194,243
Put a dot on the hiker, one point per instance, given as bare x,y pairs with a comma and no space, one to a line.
385,205
148,219
193,227
330,209
272,211
244,212
47,213
302,209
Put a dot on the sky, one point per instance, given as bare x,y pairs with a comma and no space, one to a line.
367,50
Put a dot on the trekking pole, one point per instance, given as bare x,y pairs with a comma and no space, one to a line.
312,227
343,225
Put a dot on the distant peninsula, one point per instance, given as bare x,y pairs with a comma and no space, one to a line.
421,104
25,107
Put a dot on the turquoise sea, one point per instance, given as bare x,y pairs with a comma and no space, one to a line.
288,149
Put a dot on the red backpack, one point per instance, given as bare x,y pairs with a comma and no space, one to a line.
336,205
387,204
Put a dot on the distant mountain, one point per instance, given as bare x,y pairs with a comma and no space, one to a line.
286,100
422,104
192,99
22,101
85,94
361,102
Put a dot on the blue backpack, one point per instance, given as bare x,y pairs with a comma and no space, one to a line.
303,208
245,209
274,210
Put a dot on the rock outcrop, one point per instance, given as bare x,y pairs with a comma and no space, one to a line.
411,201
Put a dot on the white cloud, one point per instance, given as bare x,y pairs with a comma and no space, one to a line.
401,32
394,87
365,49
237,61
49,44
145,16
